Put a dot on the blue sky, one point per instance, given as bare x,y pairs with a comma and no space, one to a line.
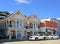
42,8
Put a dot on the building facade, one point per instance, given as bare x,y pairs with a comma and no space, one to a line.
48,27
17,26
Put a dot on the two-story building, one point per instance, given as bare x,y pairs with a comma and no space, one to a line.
48,27
17,26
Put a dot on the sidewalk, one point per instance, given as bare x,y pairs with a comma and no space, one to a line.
7,40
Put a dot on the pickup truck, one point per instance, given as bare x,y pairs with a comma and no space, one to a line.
37,37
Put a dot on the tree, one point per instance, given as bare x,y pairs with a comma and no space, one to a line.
6,13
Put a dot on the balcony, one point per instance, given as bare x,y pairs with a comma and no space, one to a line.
27,27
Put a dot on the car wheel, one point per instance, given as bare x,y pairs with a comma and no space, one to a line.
52,38
57,38
36,38
44,38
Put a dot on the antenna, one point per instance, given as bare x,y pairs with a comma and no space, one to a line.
49,14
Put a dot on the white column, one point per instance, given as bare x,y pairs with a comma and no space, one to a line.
15,23
52,31
33,32
19,24
16,33
22,34
22,24
10,35
56,31
33,25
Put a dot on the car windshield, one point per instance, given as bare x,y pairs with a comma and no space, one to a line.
55,35
38,35
51,35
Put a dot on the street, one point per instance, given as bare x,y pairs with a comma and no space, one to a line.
34,42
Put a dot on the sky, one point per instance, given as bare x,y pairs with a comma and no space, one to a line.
42,8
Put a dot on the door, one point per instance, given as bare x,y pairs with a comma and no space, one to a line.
18,35
29,34
13,34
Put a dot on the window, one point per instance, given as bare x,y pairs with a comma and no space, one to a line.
10,23
39,26
34,25
54,31
31,25
46,30
20,23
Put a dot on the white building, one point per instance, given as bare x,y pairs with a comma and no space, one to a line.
57,20
17,26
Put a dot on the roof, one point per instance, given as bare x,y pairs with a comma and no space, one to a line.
13,15
31,16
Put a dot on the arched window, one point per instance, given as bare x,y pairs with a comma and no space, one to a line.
10,23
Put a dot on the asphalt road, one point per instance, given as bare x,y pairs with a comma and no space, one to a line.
34,42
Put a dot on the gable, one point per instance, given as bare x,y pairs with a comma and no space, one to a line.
17,15
33,18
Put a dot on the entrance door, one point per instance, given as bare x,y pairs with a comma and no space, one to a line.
18,35
29,34
13,34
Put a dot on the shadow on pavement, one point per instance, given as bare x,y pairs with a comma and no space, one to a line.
6,40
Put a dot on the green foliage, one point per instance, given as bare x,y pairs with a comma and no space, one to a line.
6,13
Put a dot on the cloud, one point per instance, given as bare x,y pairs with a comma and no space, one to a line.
23,1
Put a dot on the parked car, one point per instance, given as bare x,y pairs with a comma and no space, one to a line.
2,36
52,37
37,37
49,37
55,36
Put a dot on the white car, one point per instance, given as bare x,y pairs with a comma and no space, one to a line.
37,37
55,36
49,37
52,37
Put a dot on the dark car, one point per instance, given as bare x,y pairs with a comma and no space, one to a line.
2,36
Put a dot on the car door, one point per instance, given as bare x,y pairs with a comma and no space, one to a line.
41,36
